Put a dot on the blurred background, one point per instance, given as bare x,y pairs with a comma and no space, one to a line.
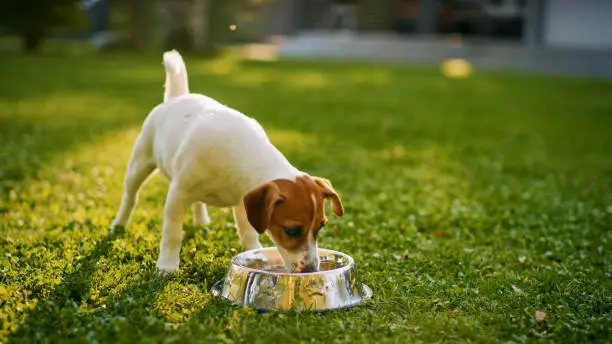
558,36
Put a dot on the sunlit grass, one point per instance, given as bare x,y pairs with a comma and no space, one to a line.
370,76
470,204
309,79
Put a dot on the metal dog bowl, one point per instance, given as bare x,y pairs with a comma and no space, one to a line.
258,279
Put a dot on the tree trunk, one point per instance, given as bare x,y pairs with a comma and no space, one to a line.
178,32
139,23
201,25
32,39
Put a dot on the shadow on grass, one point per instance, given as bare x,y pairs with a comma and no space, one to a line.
70,307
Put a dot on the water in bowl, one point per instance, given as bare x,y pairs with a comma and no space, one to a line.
277,266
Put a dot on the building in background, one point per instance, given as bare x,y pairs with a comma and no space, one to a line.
567,36
554,23
577,24
561,36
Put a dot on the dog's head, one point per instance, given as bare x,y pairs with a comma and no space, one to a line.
293,212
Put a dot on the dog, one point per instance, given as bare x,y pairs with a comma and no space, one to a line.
214,155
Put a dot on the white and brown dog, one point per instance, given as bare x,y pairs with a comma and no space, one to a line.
215,155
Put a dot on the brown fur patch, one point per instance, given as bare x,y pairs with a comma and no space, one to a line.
283,203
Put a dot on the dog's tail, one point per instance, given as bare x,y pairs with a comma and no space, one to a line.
177,83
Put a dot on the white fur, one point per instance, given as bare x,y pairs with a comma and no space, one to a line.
314,201
305,258
177,82
210,153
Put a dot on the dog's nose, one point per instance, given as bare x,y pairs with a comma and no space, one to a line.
310,268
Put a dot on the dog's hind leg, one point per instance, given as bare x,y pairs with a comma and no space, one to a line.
200,214
141,166
172,235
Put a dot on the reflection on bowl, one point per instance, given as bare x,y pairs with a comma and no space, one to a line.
258,279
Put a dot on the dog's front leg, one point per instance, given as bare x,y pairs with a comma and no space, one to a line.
249,238
172,235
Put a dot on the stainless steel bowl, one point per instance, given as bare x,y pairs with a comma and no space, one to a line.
258,279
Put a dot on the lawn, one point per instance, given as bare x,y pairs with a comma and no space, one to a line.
471,205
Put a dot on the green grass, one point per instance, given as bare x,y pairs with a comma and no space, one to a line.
470,204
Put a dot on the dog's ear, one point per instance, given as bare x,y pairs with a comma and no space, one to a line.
259,204
331,194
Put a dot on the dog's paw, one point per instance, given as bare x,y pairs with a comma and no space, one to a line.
116,230
252,245
164,272
201,221
166,269
116,224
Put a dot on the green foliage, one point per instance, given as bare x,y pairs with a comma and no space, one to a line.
470,204
32,19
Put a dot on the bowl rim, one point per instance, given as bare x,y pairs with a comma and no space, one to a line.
366,295
351,263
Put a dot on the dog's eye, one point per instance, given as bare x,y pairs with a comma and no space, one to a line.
293,231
